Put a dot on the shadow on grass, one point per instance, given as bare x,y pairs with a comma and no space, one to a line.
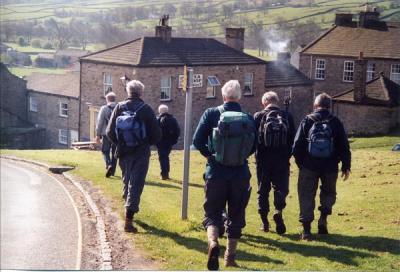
339,255
190,184
201,245
371,243
161,184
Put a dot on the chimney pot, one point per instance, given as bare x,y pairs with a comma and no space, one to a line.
163,30
235,38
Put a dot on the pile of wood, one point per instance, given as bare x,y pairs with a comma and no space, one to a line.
84,146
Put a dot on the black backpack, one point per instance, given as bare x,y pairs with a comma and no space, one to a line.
320,137
273,130
170,129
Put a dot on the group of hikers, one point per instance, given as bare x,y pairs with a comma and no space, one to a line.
226,136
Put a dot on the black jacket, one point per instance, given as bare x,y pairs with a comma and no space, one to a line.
273,157
169,128
341,152
146,115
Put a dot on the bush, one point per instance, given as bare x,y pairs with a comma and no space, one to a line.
47,45
36,43
21,41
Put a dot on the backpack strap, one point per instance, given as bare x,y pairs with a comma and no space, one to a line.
125,107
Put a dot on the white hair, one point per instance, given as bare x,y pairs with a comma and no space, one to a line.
110,97
270,97
162,109
134,87
231,90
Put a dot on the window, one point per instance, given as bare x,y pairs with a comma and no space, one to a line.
63,109
348,71
320,69
107,83
33,105
212,83
248,84
63,136
166,88
370,71
395,73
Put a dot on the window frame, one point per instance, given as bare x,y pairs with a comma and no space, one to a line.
168,88
395,76
33,104
248,84
61,136
212,87
371,72
320,70
107,84
348,75
61,109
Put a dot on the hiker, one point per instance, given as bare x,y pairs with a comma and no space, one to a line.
320,144
170,135
107,147
275,134
226,137
133,127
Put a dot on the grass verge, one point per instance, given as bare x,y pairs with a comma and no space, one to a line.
364,225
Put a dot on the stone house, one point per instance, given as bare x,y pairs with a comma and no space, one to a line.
45,60
159,63
16,130
53,104
330,59
371,107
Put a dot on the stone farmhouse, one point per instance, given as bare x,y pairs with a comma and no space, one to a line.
53,104
15,129
330,59
159,62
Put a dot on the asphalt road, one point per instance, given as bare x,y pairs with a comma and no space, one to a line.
39,223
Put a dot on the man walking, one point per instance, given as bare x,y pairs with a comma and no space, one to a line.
320,144
107,147
133,127
170,135
226,137
276,132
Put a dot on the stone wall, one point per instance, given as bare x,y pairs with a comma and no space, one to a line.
333,83
48,116
365,119
92,89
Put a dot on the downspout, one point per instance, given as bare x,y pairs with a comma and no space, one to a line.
80,95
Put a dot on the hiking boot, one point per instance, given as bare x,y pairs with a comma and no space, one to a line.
213,255
109,171
306,236
165,177
129,226
280,225
322,225
229,261
265,224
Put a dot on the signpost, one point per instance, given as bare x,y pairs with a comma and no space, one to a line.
187,140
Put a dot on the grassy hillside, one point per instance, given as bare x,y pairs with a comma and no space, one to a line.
364,225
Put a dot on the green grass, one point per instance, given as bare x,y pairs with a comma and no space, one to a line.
28,70
254,52
29,49
364,225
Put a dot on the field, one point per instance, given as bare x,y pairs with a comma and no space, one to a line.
364,225
28,70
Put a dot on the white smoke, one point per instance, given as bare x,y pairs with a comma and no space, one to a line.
275,41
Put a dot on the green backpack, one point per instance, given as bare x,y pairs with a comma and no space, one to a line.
233,139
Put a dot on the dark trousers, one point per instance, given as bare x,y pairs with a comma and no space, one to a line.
276,177
108,150
233,193
134,170
163,157
307,189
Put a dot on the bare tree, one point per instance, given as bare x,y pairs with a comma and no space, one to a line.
61,32
80,30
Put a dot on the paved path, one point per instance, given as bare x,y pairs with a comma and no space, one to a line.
39,223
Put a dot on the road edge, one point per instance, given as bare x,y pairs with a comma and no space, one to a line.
100,226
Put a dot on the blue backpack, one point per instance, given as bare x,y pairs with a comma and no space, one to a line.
320,138
130,131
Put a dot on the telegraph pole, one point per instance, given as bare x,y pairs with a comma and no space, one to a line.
187,142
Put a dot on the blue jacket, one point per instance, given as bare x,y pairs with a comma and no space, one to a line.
341,152
208,121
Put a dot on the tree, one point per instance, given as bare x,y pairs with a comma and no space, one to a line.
61,32
227,10
80,30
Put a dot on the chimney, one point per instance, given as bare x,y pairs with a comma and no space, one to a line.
344,19
369,18
284,57
360,76
163,30
235,38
